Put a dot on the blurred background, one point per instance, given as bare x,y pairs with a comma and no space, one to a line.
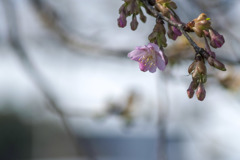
69,92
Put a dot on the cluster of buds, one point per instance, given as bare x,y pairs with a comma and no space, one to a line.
166,7
202,27
152,57
130,8
198,71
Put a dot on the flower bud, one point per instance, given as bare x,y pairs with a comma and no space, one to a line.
190,92
203,78
217,64
143,18
210,61
191,67
200,24
122,20
200,93
195,74
216,39
201,68
122,8
203,24
134,23
134,8
197,31
201,17
194,84
173,32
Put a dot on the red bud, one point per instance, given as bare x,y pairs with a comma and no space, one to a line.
201,93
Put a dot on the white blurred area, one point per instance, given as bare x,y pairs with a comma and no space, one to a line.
86,82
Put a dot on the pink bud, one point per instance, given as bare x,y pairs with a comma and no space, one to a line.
217,64
134,23
217,40
201,93
122,20
193,85
210,61
143,18
190,92
173,32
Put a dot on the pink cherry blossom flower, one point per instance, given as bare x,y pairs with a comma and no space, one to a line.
150,57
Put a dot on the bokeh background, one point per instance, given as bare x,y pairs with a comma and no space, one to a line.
69,92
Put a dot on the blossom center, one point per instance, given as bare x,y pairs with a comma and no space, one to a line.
147,60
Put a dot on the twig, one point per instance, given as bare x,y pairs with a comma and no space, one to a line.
52,21
180,26
33,72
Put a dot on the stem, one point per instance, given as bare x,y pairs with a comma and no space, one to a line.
180,26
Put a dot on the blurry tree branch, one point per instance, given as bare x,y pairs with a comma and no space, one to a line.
51,18
162,123
36,76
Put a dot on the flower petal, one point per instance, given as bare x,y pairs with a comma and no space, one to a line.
160,63
153,68
136,54
143,67
154,46
150,57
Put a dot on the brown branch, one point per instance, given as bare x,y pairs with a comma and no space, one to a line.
52,21
180,26
36,76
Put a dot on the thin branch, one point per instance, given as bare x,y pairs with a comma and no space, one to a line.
180,26
52,21
33,72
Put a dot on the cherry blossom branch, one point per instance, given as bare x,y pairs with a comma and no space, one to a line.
180,26
152,56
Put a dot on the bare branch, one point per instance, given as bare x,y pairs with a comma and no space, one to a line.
36,76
